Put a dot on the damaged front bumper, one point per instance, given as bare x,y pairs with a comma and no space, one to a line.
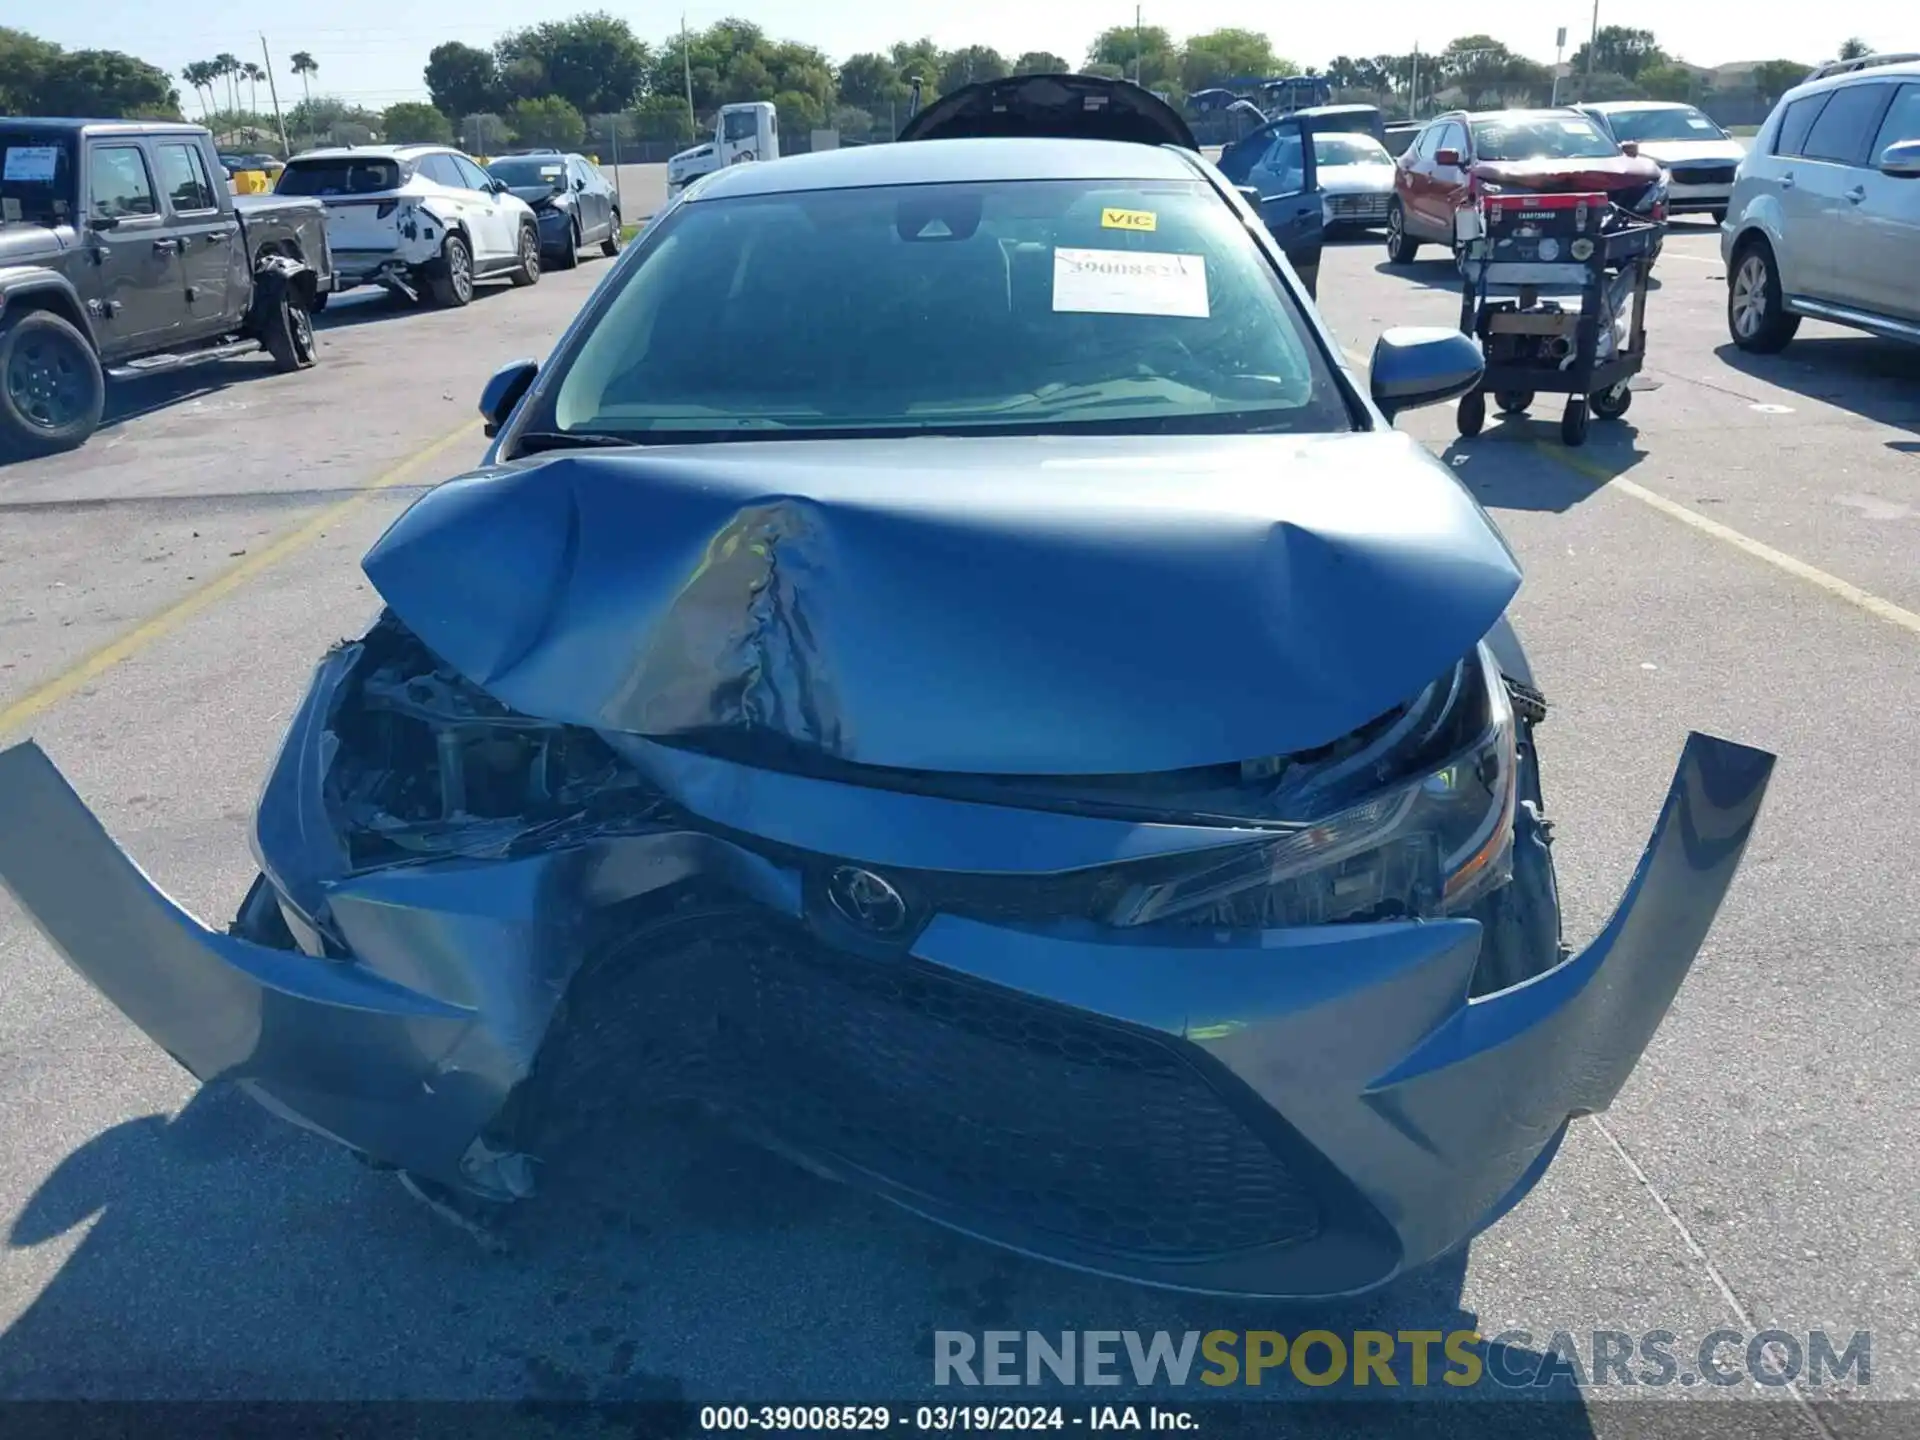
1297,1112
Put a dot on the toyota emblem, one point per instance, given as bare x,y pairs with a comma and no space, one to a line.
866,899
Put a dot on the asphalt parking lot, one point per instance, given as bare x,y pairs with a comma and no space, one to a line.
1736,555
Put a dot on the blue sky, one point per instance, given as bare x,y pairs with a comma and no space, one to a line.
372,51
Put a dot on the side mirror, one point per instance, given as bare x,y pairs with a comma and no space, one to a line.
1901,160
499,187
504,391
579,183
112,222
1630,149
1447,159
1423,365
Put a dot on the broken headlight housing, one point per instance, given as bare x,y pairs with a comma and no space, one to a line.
1418,822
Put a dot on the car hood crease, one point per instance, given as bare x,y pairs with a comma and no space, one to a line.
1108,605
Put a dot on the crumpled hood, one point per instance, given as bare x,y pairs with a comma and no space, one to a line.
1102,605
1625,172
541,197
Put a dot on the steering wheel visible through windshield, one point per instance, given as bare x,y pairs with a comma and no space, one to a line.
1012,306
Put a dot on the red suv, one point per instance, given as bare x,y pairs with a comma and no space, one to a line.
1460,156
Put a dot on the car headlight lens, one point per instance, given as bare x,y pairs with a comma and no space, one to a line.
1433,836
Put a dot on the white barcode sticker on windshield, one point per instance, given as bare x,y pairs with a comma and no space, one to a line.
1129,282
32,162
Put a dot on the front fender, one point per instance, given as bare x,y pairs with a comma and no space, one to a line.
48,289
1763,216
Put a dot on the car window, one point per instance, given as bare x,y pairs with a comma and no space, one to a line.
1028,306
1682,123
1841,133
1349,150
529,170
183,175
340,175
439,169
1285,164
471,175
118,184
1797,121
1902,123
739,125
1541,137
1454,137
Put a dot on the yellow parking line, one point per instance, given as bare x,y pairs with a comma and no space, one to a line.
1813,575
37,702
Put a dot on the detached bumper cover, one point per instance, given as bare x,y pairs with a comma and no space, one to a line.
1289,1113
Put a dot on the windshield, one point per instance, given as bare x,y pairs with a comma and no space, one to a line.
1349,150
1541,137
340,175
1021,305
36,179
532,170
1681,124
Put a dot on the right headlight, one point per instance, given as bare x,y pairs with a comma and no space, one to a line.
1419,822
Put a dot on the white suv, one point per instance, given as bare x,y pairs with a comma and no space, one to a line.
417,218
1825,214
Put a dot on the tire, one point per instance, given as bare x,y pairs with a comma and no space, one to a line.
1611,404
1310,279
1472,415
1573,421
52,390
1401,247
320,298
450,281
287,331
1513,402
1719,214
527,272
611,245
1757,317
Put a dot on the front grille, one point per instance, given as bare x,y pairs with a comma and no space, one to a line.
996,1106
1703,174
1358,207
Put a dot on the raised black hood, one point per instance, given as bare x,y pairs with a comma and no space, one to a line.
1062,107
997,605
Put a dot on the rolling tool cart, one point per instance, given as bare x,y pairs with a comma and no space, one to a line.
1575,244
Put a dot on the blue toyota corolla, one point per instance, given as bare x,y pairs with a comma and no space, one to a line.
944,667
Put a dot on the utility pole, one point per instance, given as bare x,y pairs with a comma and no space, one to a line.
1593,44
1413,89
286,150
1559,58
686,64
1136,45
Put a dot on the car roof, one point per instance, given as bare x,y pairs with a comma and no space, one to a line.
930,162
1609,107
1902,70
79,124
1524,112
376,151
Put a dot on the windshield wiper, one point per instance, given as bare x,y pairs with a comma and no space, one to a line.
535,441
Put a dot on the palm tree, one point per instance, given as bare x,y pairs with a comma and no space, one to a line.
303,66
200,76
254,76
229,66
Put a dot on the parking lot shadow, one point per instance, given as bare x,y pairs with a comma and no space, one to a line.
1520,462
230,1256
1876,379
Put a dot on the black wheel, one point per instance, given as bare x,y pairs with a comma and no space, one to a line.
1573,423
320,298
1513,402
1611,404
287,329
570,256
1472,416
451,281
527,272
1757,317
1719,214
1401,247
611,245
53,391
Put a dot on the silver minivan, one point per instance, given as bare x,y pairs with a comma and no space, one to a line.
1825,214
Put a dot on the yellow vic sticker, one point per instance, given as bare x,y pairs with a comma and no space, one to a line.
1128,220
